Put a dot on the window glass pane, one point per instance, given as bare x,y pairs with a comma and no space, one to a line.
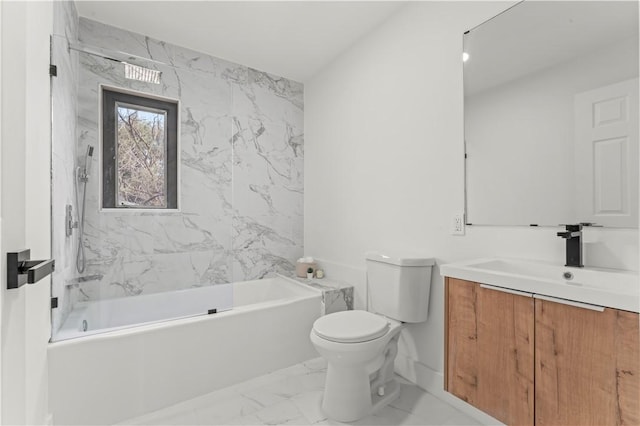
140,155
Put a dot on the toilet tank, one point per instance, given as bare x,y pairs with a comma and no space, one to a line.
399,285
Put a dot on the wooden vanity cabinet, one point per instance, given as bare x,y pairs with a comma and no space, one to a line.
525,360
587,366
489,350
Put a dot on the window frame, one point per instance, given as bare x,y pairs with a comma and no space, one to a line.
109,97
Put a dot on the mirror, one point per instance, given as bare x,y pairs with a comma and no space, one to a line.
551,115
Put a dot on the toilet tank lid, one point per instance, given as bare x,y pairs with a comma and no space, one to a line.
400,259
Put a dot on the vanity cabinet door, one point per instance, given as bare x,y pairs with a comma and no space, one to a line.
489,350
587,366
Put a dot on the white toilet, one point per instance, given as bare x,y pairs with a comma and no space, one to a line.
360,346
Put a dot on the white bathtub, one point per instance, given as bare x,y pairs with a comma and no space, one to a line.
109,377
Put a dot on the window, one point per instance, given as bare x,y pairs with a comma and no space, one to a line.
139,151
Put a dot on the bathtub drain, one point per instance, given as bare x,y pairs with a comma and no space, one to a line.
85,325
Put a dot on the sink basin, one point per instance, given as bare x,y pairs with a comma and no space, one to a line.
607,279
603,287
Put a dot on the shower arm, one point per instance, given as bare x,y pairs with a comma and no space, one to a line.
112,55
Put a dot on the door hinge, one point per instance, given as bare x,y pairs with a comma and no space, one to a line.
53,70
54,302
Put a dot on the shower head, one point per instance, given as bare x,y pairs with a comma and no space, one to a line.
90,151
135,72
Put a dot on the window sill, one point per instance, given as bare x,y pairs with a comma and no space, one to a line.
144,211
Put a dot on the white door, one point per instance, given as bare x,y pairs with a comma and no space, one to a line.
24,206
606,155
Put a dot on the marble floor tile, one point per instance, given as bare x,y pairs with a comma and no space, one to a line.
221,410
293,396
424,405
309,405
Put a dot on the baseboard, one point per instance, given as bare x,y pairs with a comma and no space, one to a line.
432,381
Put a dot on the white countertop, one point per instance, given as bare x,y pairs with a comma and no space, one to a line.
597,286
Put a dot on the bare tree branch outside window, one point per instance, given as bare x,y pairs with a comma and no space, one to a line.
141,149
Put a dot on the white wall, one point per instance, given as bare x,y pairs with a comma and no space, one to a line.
25,195
384,166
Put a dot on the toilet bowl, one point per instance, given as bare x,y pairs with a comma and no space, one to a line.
360,346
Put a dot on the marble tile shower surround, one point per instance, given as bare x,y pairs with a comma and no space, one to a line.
240,174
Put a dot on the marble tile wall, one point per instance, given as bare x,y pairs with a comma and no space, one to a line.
240,174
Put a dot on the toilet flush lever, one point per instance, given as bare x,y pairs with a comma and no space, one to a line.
22,270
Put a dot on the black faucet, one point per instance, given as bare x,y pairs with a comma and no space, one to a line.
573,235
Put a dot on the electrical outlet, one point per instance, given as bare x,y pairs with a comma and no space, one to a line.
457,224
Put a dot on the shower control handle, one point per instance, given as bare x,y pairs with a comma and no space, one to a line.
70,224
22,270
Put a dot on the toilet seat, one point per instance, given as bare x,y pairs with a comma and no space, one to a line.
351,326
